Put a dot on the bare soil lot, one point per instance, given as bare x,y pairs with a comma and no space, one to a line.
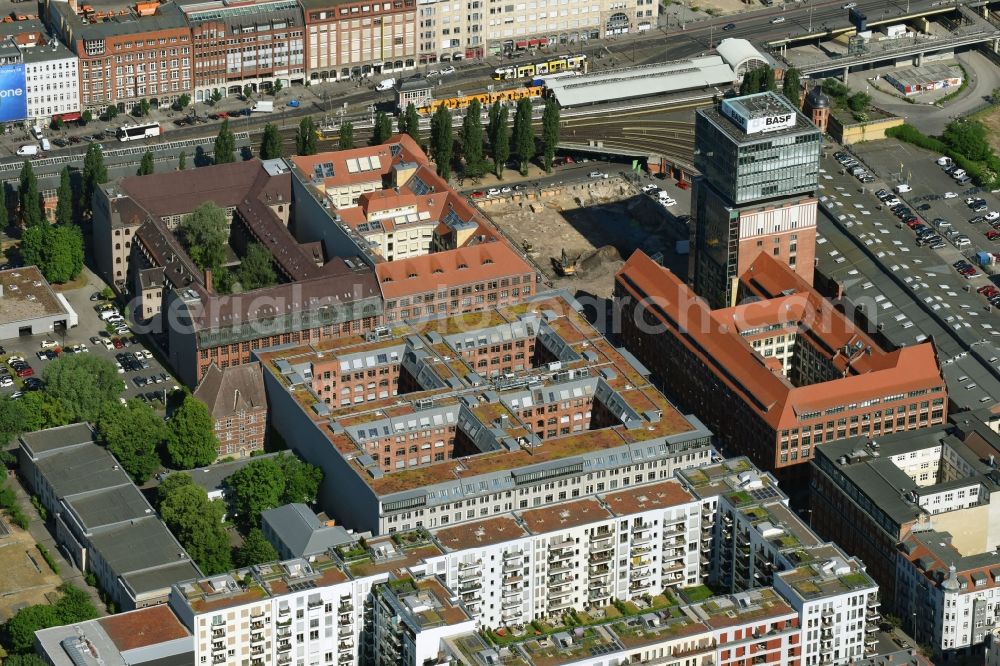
24,582
600,224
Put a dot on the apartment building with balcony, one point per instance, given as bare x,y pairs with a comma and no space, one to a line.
506,409
346,40
256,43
758,541
912,505
781,375
127,52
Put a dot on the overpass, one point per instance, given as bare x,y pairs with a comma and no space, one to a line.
968,29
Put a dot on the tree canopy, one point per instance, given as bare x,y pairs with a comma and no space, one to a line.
524,134
256,271
442,141
345,140
225,145
196,522
472,139
500,142
133,432
256,549
82,383
382,130
550,132
72,607
409,122
146,166
968,138
266,483
305,138
206,234
56,250
64,198
29,198
791,86
94,173
270,143
191,438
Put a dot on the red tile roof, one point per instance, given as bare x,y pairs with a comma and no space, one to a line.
140,628
464,265
715,337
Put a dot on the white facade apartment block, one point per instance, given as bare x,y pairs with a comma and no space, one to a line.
316,622
52,81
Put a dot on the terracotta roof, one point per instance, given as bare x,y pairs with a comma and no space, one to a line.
479,533
645,498
714,337
233,390
564,516
408,151
140,628
464,265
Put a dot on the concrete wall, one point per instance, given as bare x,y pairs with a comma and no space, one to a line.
872,130
182,340
312,222
343,495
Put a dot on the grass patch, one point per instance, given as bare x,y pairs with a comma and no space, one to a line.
696,593
47,556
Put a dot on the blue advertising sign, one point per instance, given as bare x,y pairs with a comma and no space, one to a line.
13,96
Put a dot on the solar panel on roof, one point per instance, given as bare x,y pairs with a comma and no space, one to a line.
763,493
376,163
352,166
328,169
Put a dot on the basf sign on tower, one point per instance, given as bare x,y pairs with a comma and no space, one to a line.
13,97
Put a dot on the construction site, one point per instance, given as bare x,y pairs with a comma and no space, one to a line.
580,235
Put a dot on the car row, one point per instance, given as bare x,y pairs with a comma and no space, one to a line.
20,366
661,196
965,269
991,294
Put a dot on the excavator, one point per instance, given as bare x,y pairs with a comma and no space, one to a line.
565,266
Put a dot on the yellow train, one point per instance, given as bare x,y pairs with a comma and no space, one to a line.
485,98
551,66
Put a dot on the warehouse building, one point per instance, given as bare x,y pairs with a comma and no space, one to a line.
29,306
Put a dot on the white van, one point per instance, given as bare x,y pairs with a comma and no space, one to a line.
36,132
944,161
29,150
46,146
385,84
958,173
903,188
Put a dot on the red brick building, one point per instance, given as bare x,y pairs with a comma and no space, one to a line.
236,398
778,376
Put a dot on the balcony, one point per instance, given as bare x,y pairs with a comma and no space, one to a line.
560,568
345,645
513,578
256,626
640,527
561,604
873,603
219,659
469,574
511,603
284,646
345,608
343,632
599,558
559,593
284,623
284,610
315,603
511,614
467,566
216,647
285,632
599,572
640,574
871,628
218,633
344,658
602,593
560,555
257,649
470,586
602,547
284,659
254,638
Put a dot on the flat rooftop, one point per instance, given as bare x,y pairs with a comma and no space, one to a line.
752,112
564,516
480,533
26,296
646,498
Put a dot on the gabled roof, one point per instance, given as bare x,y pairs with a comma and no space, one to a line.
236,389
301,531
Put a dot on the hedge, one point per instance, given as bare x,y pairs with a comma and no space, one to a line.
975,170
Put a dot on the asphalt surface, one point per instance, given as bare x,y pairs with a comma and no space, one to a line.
910,293
90,325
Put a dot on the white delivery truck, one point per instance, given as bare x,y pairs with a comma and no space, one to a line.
385,84
29,150
263,107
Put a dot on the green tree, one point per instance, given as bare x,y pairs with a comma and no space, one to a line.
206,234
64,198
256,549
756,80
383,128
247,91
472,139
225,145
791,86
4,212
501,143
196,521
133,432
111,111
143,108
256,487
409,122
216,96
524,135
146,166
29,198
94,173
859,102
302,479
769,84
493,122
41,410
191,435
257,268
345,139
183,101
86,118
270,143
182,160
305,137
276,88
56,250
21,628
29,659
83,383
442,141
550,132
968,138
835,88
12,419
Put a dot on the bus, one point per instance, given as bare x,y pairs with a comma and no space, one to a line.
135,132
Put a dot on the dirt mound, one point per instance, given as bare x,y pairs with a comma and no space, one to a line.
600,257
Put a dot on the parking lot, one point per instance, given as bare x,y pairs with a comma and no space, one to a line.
88,337
911,292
